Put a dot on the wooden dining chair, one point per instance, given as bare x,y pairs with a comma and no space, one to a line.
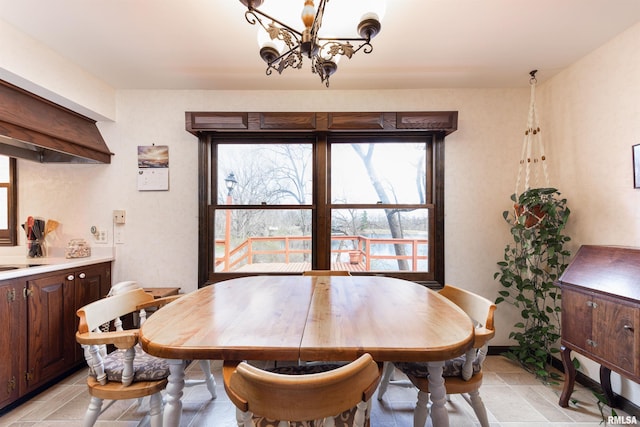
326,273
127,372
462,375
304,396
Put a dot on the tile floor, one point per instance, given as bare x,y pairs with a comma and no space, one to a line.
513,398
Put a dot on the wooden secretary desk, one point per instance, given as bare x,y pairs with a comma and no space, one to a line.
601,314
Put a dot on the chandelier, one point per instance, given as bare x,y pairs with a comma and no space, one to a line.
323,52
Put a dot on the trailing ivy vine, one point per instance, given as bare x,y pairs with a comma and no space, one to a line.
532,263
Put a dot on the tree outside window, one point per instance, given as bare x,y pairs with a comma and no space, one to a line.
380,220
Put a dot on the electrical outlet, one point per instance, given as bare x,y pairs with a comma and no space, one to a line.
101,236
119,216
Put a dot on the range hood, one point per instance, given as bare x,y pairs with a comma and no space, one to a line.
33,128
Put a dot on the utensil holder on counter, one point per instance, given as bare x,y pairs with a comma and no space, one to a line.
36,249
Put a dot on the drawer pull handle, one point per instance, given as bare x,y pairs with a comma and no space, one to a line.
628,328
592,343
82,275
592,304
70,277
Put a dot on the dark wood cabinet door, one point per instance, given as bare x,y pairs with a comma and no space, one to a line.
91,283
12,340
577,318
615,335
50,327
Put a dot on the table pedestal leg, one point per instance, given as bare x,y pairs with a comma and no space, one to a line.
173,397
439,415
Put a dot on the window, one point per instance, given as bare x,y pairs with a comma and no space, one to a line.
370,202
380,207
269,186
8,197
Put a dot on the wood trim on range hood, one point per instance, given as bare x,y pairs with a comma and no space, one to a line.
35,129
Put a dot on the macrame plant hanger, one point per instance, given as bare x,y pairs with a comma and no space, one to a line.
532,171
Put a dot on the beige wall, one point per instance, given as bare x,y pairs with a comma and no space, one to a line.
589,118
160,235
591,113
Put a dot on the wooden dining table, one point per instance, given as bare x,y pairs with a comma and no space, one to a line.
307,318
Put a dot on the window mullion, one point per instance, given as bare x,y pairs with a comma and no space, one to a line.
321,233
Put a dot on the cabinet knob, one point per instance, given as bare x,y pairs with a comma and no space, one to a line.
628,328
82,275
592,343
592,304
70,277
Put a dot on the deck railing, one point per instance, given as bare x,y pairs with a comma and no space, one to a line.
361,250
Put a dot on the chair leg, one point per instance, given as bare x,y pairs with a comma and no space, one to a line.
479,408
386,377
155,410
244,419
208,378
93,411
421,412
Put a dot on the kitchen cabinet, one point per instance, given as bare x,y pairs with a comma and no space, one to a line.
12,340
42,323
601,314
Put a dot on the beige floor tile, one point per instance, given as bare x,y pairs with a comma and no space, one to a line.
513,398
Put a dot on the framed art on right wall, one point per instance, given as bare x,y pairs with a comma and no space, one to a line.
636,165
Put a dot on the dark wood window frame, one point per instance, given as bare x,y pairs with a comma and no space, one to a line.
209,127
9,236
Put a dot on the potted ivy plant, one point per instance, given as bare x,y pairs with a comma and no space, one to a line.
531,265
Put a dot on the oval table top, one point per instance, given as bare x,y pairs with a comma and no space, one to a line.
309,318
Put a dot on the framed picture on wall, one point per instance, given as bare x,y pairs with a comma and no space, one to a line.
636,165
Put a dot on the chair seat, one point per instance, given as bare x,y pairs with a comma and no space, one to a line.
145,366
115,390
305,369
452,368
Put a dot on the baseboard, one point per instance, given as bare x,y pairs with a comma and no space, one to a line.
621,403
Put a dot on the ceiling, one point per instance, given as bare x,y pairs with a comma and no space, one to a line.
208,44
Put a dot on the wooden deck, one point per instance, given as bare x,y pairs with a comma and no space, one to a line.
296,267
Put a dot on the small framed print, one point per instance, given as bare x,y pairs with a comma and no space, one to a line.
636,165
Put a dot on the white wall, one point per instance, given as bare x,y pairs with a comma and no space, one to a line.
592,116
38,69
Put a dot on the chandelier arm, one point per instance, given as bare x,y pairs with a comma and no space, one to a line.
317,21
256,12
291,51
344,39
365,47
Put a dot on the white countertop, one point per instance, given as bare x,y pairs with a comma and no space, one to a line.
50,264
